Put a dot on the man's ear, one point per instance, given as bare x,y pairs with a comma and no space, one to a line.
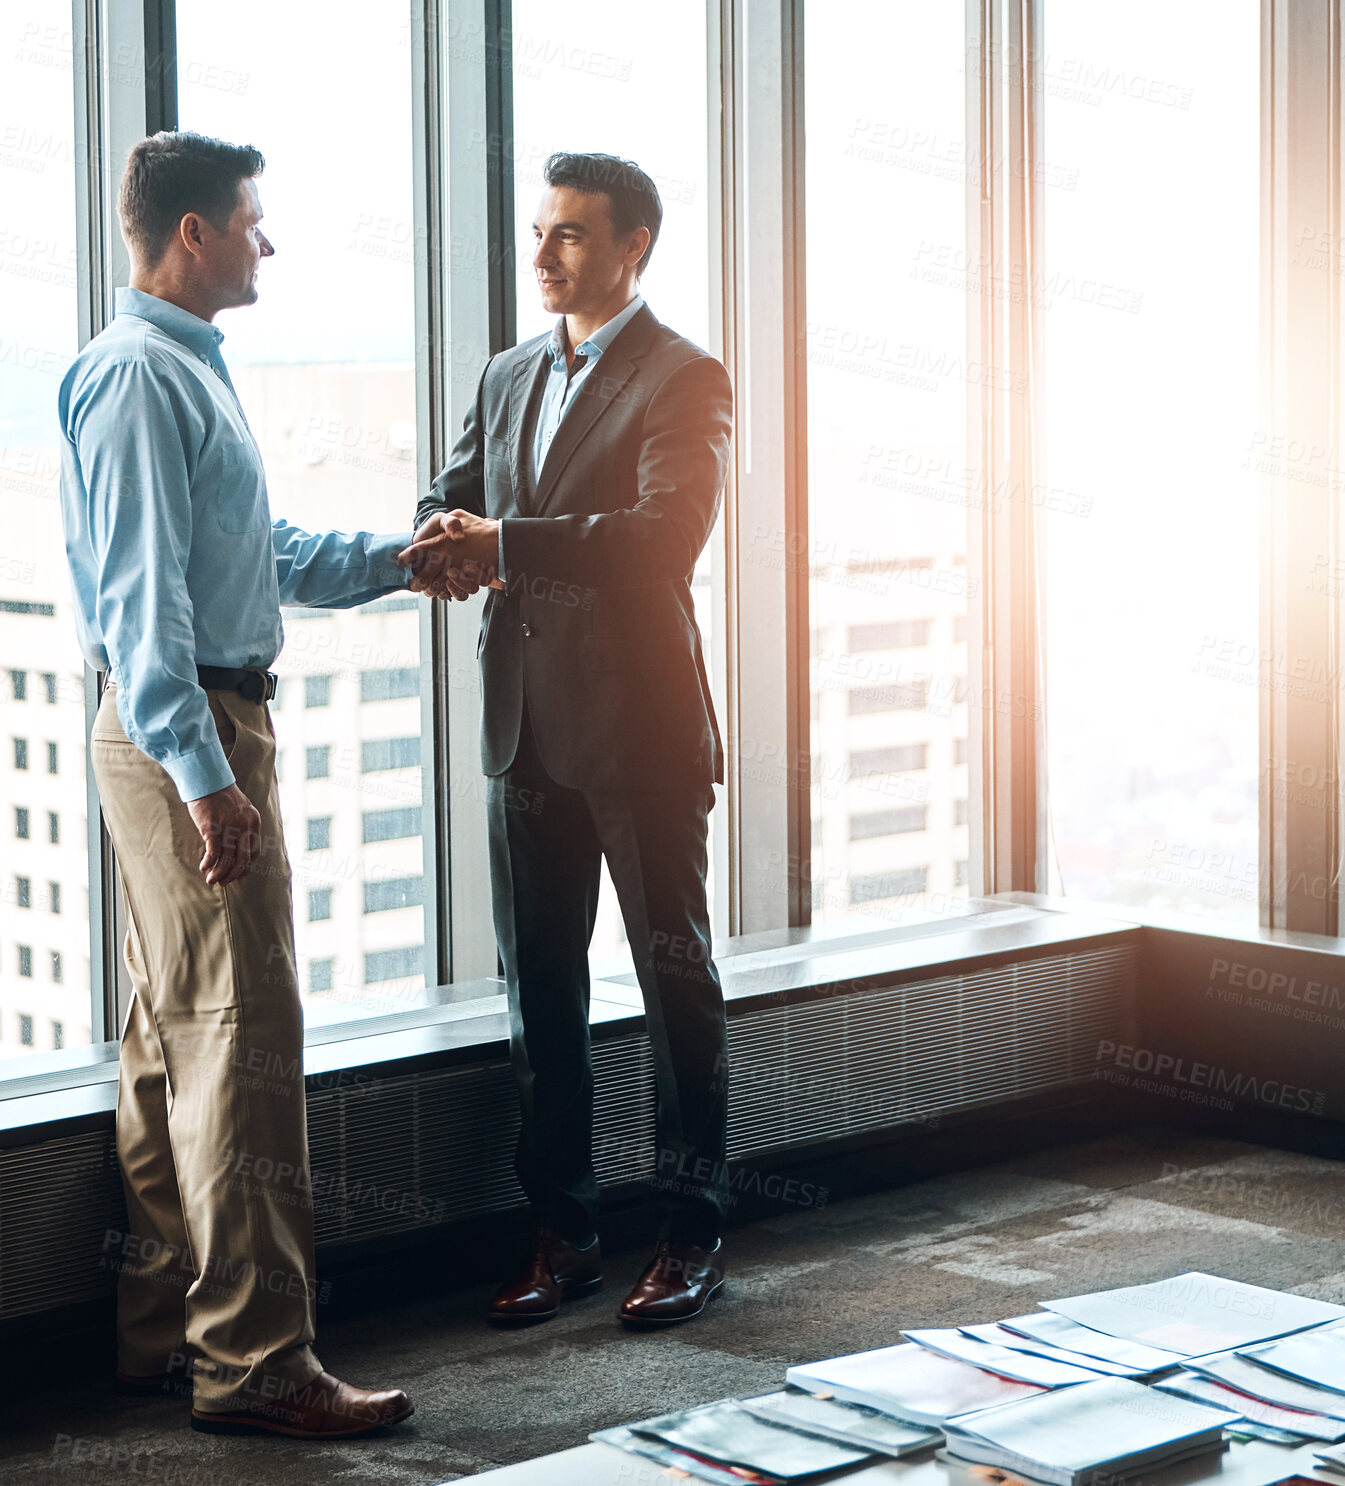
639,241
190,235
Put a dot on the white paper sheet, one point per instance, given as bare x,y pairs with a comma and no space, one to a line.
1196,1313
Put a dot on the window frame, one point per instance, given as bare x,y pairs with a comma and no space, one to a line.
462,94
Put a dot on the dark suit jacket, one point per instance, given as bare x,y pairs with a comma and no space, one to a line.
597,624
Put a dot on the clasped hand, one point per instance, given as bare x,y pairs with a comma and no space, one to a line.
453,555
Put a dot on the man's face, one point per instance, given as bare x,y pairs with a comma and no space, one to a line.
578,261
230,257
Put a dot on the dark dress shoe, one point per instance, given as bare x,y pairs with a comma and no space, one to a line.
678,1283
325,1409
556,1271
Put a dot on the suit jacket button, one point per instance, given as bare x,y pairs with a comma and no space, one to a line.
527,631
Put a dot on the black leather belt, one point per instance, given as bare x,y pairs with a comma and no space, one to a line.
254,686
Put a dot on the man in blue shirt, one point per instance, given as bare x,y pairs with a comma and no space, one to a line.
179,573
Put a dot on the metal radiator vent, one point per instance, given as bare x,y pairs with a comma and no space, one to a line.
395,1154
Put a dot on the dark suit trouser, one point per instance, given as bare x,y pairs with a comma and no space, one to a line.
546,848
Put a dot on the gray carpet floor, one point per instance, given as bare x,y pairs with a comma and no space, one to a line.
975,1246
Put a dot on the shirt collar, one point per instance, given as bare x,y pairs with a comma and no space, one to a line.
601,338
196,334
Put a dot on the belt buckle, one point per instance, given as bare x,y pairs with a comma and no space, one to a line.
272,685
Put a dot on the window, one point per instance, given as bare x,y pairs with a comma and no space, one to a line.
57,1035
53,828
883,885
21,822
1155,803
384,686
20,753
320,975
332,395
54,896
25,1029
57,972
26,961
392,964
379,754
887,412
319,832
393,892
960,816
318,762
959,750
909,698
643,65
18,683
904,634
319,904
23,889
391,825
49,683
887,822
53,759
911,756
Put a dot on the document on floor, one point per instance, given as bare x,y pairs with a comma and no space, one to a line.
1026,1367
1001,1336
1070,1336
910,1382
850,1423
1307,1426
1196,1313
1113,1427
1250,1377
1316,1357
621,1438
728,1435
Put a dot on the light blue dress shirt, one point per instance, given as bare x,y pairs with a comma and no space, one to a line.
561,388
174,558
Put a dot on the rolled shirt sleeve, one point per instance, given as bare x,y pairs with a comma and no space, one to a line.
138,476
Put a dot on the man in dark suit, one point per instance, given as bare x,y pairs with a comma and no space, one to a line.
588,477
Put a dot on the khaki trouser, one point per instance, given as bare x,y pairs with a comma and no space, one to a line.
211,1134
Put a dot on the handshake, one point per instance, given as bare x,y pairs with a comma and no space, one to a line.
453,555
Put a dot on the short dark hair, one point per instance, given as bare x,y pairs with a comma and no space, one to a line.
633,199
175,172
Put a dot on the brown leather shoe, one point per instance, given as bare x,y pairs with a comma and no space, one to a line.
556,1271
677,1284
325,1409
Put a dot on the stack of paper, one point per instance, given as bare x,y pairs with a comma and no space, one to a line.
1299,1422
1235,1371
910,1382
1000,1336
850,1423
1316,1357
1333,1460
1084,1342
727,1437
1109,1428
1026,1367
1196,1313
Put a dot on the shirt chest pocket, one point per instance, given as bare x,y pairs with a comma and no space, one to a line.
240,495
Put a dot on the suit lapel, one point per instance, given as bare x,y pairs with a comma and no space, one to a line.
528,375
597,392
